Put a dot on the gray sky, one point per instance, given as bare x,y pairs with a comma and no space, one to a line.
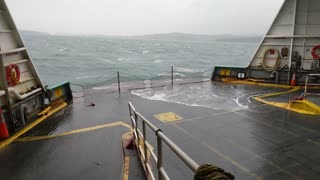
136,17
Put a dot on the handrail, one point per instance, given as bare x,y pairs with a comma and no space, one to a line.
145,148
307,83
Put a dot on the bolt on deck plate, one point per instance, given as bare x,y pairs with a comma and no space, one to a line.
168,117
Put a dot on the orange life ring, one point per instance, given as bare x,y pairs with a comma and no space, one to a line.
314,52
13,74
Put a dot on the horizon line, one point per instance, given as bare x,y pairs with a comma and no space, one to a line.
148,34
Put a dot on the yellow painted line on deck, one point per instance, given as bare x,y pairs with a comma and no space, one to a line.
44,112
256,83
6,142
225,157
277,104
302,106
277,93
92,128
305,107
126,138
126,168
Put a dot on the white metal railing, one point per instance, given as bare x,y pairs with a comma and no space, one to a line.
145,148
309,84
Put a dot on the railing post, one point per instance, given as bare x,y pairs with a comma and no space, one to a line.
306,86
118,75
145,145
136,128
130,114
159,163
172,76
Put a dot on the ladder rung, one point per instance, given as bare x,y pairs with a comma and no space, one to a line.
313,74
26,80
5,31
12,50
313,84
17,62
312,94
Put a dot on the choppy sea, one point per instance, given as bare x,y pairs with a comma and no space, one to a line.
93,61
89,59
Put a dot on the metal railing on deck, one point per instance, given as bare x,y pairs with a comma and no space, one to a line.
122,82
145,148
310,84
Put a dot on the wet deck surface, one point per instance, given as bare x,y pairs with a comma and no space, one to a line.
246,138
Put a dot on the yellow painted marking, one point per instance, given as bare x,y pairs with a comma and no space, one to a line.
225,72
6,142
303,106
256,80
44,112
126,168
126,137
141,144
222,72
227,158
168,117
256,83
58,92
34,138
228,72
278,93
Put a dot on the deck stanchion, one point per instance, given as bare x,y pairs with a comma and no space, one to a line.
172,76
145,145
159,163
136,127
119,88
305,87
308,77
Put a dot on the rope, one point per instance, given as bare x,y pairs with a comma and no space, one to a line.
210,172
211,69
209,75
128,78
162,76
276,64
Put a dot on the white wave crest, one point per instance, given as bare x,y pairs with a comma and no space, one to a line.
199,96
82,77
186,70
175,74
64,49
157,61
121,59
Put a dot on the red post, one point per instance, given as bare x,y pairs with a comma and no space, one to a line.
3,127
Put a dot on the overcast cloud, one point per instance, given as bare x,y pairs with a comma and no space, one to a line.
136,17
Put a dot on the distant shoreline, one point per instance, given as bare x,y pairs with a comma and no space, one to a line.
165,37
